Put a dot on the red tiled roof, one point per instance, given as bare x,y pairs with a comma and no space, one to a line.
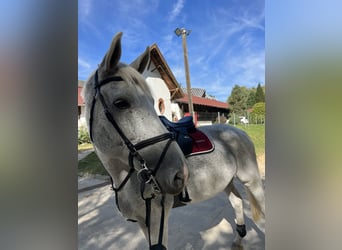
203,101
79,97
196,92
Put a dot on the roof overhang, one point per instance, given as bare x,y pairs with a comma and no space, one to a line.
165,72
204,102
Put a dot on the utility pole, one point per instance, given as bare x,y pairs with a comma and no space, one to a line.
185,33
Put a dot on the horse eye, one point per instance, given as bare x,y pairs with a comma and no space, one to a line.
121,104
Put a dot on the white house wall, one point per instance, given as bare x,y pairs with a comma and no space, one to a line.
176,110
159,90
82,120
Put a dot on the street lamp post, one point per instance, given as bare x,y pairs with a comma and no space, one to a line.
185,33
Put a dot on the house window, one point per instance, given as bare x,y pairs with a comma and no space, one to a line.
161,106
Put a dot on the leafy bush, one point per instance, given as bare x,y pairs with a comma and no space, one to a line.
258,114
256,119
83,135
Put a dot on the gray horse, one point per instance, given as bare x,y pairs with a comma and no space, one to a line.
146,164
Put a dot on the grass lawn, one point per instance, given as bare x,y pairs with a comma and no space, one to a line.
92,165
257,134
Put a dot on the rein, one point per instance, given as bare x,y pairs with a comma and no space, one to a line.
145,174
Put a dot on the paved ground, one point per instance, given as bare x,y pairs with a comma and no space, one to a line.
84,153
207,225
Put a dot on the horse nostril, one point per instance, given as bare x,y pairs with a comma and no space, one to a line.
179,180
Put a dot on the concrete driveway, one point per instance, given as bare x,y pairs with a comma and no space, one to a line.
207,225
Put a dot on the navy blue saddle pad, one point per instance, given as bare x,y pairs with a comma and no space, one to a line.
184,123
181,130
191,140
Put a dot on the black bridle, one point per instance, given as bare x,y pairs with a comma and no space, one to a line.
145,174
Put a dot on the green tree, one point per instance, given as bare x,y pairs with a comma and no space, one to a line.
238,100
259,94
251,98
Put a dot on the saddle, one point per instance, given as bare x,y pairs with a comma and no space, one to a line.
191,140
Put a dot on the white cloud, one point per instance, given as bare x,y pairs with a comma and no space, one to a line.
83,63
167,39
246,40
84,8
231,53
84,68
135,8
249,21
179,73
177,8
248,69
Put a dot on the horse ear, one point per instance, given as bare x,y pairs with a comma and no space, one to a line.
141,62
113,55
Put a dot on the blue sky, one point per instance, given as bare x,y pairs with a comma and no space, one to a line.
226,45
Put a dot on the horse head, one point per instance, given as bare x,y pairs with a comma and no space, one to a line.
124,126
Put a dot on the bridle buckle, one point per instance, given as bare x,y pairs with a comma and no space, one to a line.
145,175
155,187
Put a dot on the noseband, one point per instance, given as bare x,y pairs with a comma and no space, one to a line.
145,174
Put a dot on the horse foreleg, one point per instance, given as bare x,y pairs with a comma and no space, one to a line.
155,228
237,203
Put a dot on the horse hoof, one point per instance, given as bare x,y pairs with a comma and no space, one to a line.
241,229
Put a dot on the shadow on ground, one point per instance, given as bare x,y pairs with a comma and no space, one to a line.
101,226
207,225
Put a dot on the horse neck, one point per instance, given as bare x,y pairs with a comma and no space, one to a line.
114,165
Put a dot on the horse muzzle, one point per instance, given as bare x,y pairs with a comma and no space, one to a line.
175,184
